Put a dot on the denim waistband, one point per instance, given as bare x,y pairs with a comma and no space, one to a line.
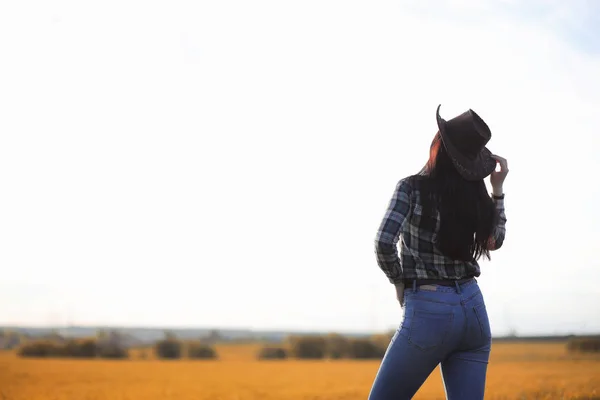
445,285
441,282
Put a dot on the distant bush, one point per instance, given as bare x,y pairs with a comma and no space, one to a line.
168,348
337,346
86,348
71,348
364,348
40,348
383,340
584,344
114,352
201,351
308,347
272,353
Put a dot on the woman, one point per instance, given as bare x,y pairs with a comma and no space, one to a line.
445,221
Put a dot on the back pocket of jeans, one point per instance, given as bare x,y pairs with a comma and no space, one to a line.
428,329
483,320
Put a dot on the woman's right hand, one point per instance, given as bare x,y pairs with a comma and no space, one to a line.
400,293
497,177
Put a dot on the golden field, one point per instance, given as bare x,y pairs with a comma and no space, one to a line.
516,371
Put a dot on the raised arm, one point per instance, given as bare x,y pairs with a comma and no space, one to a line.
497,180
497,238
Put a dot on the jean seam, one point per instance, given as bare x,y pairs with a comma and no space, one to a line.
471,296
475,309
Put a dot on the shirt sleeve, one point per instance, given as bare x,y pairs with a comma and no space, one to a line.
499,231
390,230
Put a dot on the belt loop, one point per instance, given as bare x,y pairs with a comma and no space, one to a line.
414,285
457,287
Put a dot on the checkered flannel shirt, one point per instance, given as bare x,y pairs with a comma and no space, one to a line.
420,258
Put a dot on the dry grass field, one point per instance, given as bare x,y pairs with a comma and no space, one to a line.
516,371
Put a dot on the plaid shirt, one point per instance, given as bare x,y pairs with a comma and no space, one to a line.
419,257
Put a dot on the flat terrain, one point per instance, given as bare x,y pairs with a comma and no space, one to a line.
516,371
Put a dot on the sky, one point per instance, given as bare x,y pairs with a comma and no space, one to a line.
227,164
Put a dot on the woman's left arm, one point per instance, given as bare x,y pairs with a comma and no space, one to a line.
389,232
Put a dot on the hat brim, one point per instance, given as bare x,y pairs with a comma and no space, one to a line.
470,169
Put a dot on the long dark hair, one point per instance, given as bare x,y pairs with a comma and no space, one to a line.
467,213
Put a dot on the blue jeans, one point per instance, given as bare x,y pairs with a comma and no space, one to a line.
442,325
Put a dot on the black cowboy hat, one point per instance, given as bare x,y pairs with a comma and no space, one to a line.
465,137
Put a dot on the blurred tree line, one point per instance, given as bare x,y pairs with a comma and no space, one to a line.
584,344
105,344
112,344
331,346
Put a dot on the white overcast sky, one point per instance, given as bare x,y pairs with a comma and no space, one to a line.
227,163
